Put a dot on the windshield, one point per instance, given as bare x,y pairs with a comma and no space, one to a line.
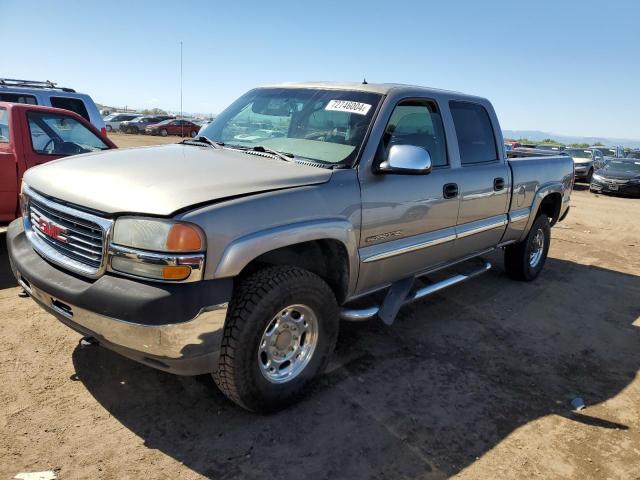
622,166
326,126
548,147
577,153
633,155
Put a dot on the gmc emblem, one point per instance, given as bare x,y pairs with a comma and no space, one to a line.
52,230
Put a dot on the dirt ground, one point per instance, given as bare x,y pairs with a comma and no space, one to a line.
474,382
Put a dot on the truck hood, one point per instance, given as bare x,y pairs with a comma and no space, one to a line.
161,180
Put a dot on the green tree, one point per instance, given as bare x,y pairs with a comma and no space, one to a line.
153,111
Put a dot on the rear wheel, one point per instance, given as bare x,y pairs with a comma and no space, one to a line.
524,260
280,331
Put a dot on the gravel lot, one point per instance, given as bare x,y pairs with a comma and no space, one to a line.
475,381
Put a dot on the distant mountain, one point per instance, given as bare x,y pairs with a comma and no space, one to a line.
538,135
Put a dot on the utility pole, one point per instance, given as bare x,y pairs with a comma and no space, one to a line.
181,119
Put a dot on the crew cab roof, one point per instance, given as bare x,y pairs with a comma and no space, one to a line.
380,88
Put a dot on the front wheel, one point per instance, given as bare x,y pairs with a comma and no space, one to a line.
281,329
589,176
109,128
193,134
524,260
164,132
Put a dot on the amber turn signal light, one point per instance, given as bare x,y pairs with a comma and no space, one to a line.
184,238
175,272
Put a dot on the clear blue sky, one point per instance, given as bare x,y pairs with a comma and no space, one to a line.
565,66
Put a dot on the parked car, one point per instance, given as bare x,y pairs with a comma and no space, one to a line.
585,161
511,144
50,95
139,124
609,152
31,135
113,121
550,146
634,154
184,128
525,152
618,176
250,242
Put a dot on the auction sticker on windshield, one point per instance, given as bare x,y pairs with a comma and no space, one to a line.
348,106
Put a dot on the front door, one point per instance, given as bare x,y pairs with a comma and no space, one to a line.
408,222
54,135
8,171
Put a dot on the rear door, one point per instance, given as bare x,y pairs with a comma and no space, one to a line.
483,179
174,127
408,222
8,169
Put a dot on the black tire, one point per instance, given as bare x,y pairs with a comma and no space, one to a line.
255,304
164,132
518,257
589,176
109,129
133,130
193,133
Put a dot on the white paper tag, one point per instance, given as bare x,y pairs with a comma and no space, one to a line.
348,106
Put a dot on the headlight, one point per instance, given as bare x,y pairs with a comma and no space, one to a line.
158,235
597,177
157,249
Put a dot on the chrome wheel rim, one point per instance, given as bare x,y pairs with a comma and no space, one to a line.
288,343
537,247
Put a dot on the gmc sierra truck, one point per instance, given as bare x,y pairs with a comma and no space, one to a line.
236,253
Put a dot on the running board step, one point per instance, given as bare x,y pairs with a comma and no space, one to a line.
399,295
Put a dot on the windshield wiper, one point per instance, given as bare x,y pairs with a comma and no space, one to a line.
287,157
203,139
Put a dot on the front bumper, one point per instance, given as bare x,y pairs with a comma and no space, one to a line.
177,328
581,172
632,189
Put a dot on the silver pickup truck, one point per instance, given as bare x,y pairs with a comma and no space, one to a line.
236,253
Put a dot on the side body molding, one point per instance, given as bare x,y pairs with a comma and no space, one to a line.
243,250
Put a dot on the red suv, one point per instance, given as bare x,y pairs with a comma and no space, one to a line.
183,128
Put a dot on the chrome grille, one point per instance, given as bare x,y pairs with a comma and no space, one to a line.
67,237
81,241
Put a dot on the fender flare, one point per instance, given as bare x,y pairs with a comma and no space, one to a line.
241,251
541,194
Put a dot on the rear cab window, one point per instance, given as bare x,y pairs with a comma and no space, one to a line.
54,134
18,98
72,104
476,138
4,125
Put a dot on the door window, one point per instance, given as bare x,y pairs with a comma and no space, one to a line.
72,104
417,123
53,134
18,98
476,139
4,126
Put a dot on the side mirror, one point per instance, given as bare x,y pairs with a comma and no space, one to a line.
406,160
